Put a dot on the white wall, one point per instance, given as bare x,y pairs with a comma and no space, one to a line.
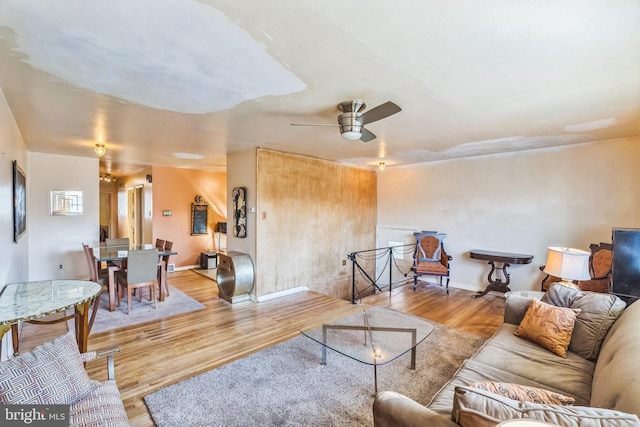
520,202
57,240
241,172
14,266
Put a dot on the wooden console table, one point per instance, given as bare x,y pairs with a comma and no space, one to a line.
504,258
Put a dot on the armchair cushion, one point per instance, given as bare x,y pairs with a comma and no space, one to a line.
52,373
102,407
429,247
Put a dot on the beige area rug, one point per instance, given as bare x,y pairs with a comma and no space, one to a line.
286,385
177,303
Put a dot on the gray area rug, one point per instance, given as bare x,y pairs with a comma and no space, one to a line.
141,312
285,385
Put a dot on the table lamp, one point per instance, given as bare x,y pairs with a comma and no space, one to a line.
568,264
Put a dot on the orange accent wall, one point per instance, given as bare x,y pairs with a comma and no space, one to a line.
175,189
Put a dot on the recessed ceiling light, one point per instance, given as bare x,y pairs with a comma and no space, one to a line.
189,156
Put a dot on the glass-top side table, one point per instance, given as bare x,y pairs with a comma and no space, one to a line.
29,301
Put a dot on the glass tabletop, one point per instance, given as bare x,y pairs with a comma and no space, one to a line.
30,300
118,252
375,336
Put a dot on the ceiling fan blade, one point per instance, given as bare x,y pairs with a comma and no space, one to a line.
314,124
380,112
367,135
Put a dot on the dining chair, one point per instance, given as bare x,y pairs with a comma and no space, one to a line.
124,241
160,244
95,275
162,268
141,272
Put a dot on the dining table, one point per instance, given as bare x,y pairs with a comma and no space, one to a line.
30,301
118,254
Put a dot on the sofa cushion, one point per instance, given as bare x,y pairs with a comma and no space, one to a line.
549,326
102,407
524,393
523,362
598,312
474,407
52,373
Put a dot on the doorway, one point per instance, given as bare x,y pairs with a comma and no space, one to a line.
135,214
106,219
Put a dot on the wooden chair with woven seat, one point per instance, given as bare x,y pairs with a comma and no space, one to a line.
141,272
430,258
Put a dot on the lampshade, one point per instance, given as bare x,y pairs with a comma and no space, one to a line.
100,150
568,263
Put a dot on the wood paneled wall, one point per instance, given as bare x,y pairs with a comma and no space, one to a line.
311,214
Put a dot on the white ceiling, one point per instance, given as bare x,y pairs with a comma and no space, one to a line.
156,78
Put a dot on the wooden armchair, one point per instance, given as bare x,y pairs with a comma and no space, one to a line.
430,258
600,262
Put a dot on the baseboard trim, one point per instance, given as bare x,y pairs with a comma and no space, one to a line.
280,294
186,267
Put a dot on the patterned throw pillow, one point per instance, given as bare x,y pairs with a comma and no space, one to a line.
524,393
52,373
548,326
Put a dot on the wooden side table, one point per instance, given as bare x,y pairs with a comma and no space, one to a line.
503,259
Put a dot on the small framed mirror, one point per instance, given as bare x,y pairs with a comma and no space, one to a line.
199,216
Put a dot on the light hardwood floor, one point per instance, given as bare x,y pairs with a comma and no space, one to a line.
158,354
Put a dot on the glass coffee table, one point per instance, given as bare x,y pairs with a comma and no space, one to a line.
376,336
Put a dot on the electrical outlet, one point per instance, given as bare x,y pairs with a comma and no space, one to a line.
60,267
344,262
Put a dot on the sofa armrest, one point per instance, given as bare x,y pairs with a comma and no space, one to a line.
515,308
394,409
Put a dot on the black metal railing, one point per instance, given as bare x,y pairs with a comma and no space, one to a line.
379,256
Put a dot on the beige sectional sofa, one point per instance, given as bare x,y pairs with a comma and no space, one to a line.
606,388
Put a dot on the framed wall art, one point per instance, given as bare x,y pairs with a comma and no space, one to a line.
66,202
19,202
239,211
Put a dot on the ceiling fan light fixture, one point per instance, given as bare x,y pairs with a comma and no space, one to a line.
351,135
100,150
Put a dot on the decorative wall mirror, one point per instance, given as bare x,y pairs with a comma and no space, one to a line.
199,216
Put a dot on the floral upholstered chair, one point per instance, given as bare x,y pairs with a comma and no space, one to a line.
430,258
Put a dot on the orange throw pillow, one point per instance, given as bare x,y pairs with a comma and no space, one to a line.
523,393
548,326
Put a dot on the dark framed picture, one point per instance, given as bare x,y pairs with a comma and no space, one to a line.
19,202
239,211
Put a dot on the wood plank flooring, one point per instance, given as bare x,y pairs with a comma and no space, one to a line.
161,353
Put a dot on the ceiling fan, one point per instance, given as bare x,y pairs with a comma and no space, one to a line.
352,120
